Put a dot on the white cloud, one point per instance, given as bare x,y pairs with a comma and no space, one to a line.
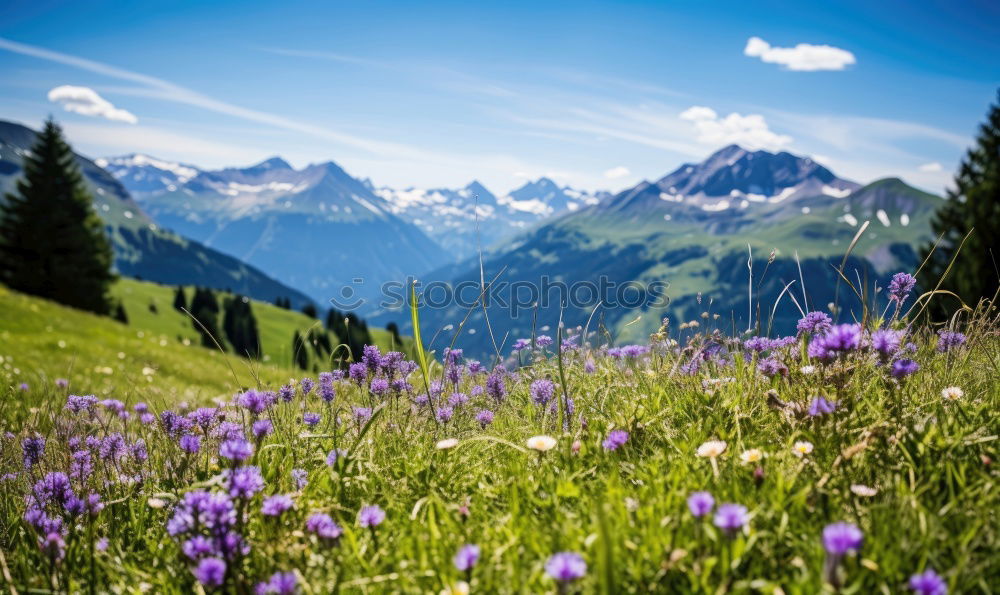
617,172
698,112
931,167
85,101
804,56
749,131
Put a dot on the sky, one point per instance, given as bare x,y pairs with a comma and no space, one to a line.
596,95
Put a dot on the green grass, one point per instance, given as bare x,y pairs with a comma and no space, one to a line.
930,460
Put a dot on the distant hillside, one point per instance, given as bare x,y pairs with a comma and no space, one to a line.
150,307
142,248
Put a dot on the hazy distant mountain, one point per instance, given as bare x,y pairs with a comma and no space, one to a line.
143,174
692,229
318,228
452,217
142,248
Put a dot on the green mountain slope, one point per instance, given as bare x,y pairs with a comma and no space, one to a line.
157,352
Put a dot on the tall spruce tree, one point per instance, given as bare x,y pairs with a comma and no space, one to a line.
299,353
240,326
974,202
205,310
180,300
52,243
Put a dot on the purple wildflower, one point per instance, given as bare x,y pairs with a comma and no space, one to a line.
731,518
211,572
300,477
307,385
466,557
253,401
841,538
566,567
837,341
379,386
362,414
615,439
542,390
928,583
190,443
543,341
310,419
484,417
276,505
236,450
948,340
244,482
521,345
286,393
323,526
901,286
197,547
445,413
78,403
33,449
771,367
700,504
820,406
358,373
371,516
814,323
280,583
887,342
902,368
262,428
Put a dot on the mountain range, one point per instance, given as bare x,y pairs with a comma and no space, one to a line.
320,229
696,228
704,228
143,248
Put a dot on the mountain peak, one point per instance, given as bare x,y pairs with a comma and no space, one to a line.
272,163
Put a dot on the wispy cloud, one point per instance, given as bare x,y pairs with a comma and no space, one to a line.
750,131
617,172
804,56
87,102
931,167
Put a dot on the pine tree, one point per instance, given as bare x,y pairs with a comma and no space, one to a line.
310,311
180,300
120,314
974,202
205,310
299,353
52,243
240,326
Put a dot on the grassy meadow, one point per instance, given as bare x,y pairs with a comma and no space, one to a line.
844,459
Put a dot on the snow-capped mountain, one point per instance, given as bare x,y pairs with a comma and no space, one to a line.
451,216
143,174
316,228
735,178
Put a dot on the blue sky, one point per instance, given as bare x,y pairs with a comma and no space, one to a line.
593,94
